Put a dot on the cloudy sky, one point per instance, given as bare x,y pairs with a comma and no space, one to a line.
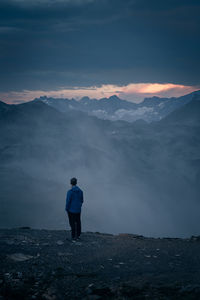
73,48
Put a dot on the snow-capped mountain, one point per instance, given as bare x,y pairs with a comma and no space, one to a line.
114,108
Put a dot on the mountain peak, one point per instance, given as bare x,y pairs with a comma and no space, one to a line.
114,97
3,103
85,99
42,97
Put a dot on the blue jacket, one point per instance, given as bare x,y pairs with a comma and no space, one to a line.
74,200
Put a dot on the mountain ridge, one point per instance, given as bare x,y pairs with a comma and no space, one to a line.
114,108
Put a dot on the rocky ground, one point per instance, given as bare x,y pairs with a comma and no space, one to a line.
46,265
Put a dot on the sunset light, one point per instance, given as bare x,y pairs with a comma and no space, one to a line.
134,92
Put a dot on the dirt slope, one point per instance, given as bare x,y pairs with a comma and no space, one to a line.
46,265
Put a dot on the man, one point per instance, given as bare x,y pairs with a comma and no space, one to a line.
74,201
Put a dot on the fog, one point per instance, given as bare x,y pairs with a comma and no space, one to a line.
141,179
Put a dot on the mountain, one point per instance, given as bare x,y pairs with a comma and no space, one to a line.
188,113
4,108
164,106
107,106
136,176
113,108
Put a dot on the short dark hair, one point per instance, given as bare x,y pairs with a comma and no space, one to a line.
73,181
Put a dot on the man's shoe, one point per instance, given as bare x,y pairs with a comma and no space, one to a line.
73,240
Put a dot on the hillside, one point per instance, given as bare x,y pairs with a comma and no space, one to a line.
148,175
187,114
46,265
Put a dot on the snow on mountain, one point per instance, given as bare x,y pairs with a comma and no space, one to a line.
114,108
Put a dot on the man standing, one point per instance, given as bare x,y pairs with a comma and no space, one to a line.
74,201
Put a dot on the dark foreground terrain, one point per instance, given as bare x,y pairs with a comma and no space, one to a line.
45,264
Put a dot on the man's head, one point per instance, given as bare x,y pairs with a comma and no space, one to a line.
73,181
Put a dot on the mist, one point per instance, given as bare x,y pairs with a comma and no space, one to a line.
136,178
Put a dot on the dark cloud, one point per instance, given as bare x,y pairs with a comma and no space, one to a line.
47,44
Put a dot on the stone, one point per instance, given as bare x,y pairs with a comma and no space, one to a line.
59,243
19,257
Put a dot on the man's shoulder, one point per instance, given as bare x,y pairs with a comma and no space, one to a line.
76,187
79,188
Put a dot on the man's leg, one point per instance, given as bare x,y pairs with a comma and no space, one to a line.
78,223
72,223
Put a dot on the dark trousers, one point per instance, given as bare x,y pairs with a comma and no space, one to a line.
75,223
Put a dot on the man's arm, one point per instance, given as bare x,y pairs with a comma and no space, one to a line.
68,200
82,196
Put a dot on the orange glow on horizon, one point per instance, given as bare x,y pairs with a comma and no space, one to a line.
157,87
134,92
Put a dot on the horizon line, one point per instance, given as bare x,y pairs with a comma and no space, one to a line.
133,92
